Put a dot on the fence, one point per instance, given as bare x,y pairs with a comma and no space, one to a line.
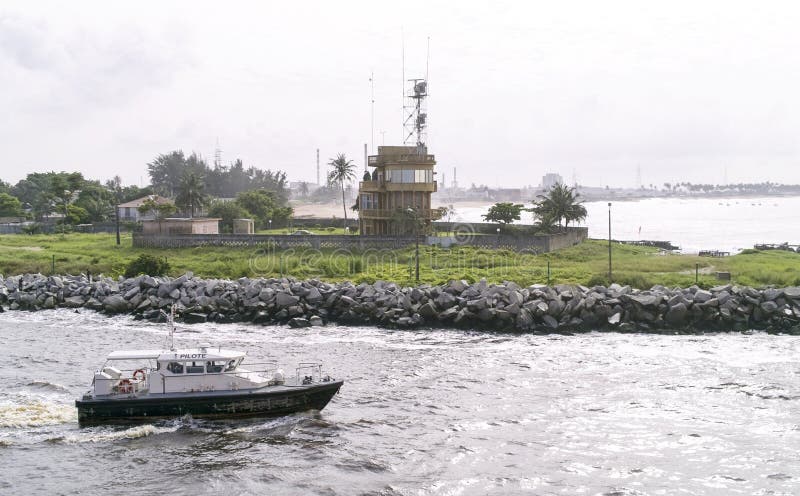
536,243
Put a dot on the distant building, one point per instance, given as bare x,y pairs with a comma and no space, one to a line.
129,211
173,225
402,180
551,179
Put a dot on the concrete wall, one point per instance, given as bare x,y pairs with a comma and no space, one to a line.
533,244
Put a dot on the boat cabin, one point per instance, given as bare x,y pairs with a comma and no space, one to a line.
176,371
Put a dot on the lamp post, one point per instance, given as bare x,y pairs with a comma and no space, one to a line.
270,224
416,242
497,239
609,243
116,219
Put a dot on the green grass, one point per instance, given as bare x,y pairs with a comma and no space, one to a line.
585,264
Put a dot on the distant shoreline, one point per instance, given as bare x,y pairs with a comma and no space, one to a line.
334,210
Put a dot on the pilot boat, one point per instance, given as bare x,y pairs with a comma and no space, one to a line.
205,382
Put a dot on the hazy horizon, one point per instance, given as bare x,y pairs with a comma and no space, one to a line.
685,91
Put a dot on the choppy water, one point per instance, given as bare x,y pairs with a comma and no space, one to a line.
694,224
421,413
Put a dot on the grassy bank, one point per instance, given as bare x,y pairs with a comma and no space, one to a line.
584,264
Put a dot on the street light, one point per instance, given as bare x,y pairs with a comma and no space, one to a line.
609,243
270,224
416,240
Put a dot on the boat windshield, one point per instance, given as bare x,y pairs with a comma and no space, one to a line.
208,367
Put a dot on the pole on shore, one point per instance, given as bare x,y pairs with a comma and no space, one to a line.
548,272
610,279
53,265
116,220
696,272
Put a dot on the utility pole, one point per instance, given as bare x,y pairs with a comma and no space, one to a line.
318,184
609,243
414,212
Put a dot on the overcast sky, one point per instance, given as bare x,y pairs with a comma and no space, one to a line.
683,90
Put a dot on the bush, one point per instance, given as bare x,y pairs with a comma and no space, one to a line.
147,264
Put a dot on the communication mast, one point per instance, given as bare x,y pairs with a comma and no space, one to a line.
416,118
217,155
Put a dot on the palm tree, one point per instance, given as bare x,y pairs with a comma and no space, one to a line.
341,170
560,203
191,193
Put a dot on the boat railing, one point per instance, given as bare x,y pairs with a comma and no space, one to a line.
309,372
123,384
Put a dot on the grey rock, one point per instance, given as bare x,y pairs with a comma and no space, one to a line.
313,294
676,315
131,293
74,301
702,296
550,321
769,307
285,299
194,318
792,292
115,303
428,310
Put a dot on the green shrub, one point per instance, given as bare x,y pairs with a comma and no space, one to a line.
147,264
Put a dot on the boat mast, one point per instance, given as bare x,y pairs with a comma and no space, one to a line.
172,328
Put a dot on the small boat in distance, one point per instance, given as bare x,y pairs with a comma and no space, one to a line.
205,382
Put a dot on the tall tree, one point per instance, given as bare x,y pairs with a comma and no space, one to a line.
166,172
342,170
191,192
97,200
504,212
64,189
559,204
263,206
10,206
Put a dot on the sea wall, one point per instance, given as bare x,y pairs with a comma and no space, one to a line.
502,307
464,235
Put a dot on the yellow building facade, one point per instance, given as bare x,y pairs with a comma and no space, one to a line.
399,189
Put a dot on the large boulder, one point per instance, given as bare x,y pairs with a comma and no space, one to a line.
283,299
676,315
115,304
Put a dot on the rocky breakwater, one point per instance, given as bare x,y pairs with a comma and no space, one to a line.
507,306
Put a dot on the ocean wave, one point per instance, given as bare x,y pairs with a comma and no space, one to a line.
34,412
104,436
50,386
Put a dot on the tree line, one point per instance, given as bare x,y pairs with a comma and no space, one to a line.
188,181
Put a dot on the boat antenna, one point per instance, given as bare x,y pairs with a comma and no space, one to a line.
172,327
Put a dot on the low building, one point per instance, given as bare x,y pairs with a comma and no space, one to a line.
129,211
243,226
179,225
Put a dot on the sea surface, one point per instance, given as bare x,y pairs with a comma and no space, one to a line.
426,412
693,224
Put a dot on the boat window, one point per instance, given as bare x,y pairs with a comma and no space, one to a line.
194,368
215,367
175,367
230,366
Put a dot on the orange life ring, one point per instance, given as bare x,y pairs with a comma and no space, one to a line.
139,371
125,386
